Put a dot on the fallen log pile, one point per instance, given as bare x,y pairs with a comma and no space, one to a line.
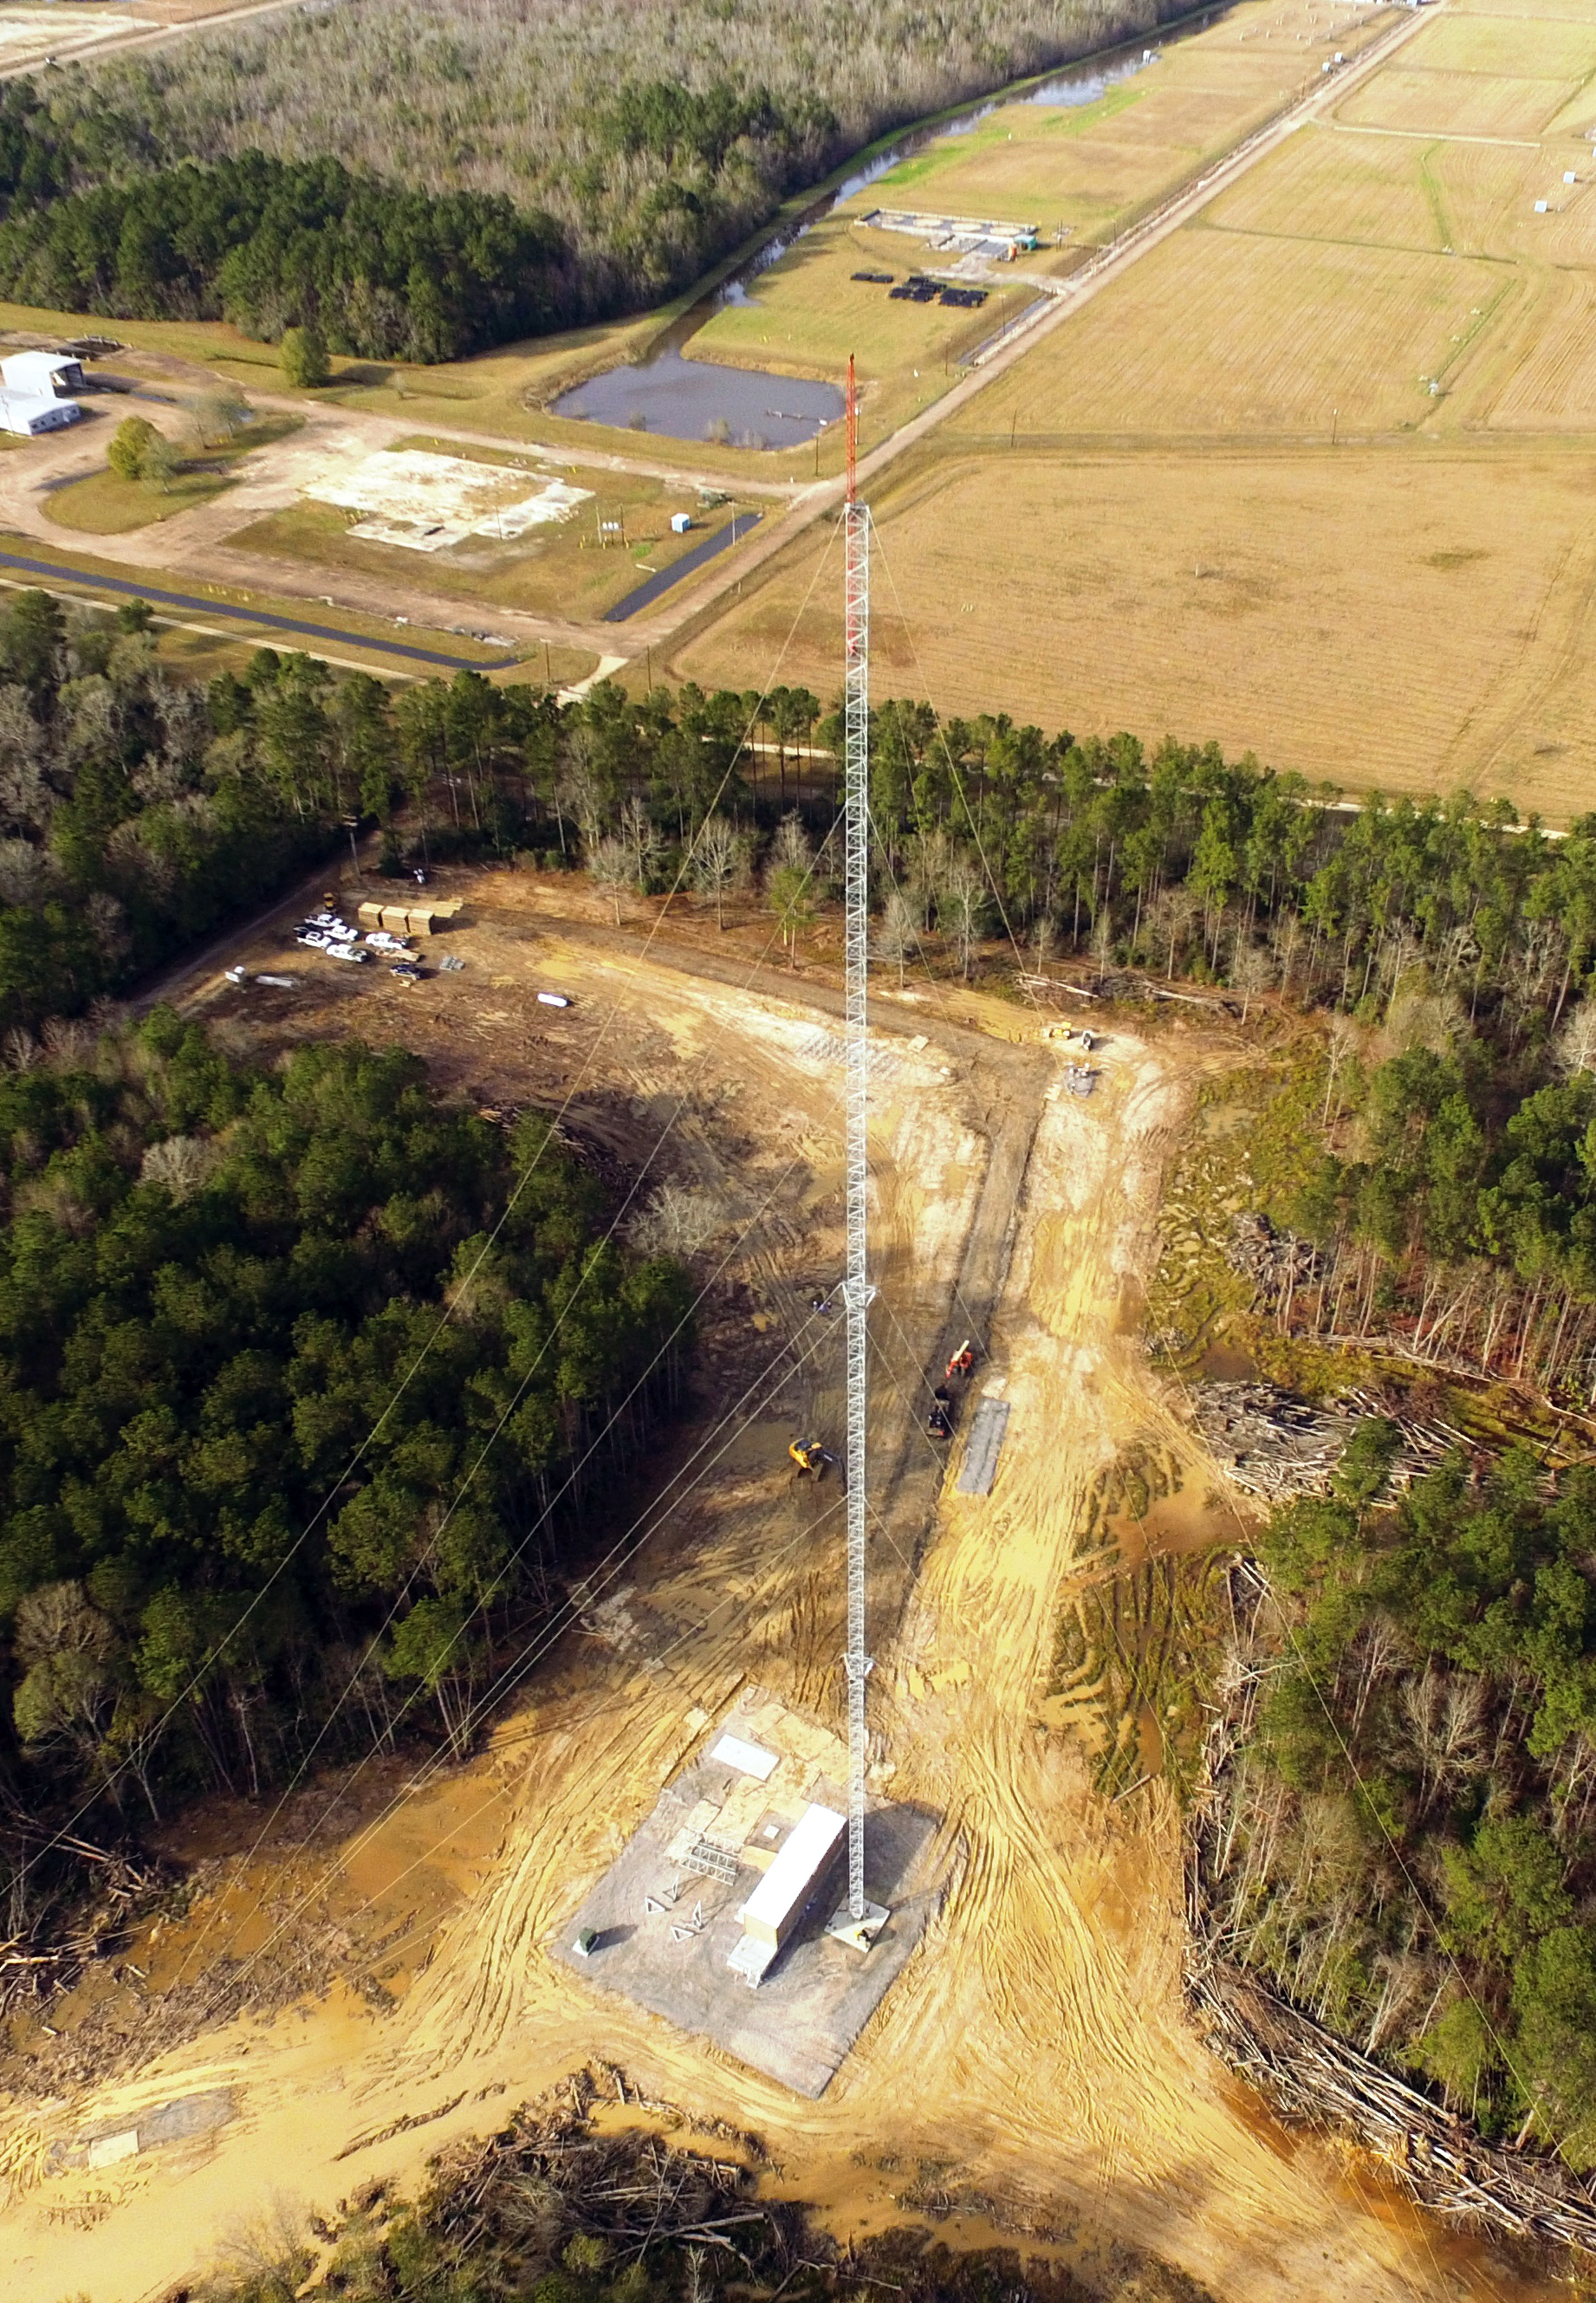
1274,1445
1275,1262
1307,2073
548,2175
33,1966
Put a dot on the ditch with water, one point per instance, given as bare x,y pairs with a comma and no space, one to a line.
686,399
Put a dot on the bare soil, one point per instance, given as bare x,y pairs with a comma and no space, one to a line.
1032,2071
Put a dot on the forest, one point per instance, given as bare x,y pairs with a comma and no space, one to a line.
500,169
1407,1849
132,818
306,1380
377,270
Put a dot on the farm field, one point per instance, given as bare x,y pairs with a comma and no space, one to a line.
1312,477
1326,326
1378,617
1079,170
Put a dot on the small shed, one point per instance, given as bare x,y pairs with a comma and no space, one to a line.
41,373
29,413
801,1871
680,521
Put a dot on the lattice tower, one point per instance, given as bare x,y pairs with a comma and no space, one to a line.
856,529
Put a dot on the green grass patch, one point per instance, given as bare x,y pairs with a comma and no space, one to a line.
1252,1141
104,505
1011,125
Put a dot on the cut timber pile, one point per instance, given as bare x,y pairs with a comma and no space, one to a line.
32,1966
547,2175
1277,1445
1275,1261
1307,2073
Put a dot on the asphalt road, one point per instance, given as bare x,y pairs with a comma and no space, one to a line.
95,580
647,594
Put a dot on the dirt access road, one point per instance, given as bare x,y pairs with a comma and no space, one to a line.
1034,2054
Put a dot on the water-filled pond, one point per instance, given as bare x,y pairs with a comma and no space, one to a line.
750,407
698,400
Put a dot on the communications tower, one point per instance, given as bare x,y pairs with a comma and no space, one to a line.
860,1920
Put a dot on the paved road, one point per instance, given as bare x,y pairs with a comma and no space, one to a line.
93,580
740,524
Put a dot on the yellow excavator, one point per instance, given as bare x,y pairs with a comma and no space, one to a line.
810,1456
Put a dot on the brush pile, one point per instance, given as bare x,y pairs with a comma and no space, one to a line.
1275,1261
1276,1445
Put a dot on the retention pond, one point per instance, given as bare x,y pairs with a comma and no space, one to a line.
751,408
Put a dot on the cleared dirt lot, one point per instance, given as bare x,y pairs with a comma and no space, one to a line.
1033,2050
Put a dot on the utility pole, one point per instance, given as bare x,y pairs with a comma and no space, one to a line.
857,1291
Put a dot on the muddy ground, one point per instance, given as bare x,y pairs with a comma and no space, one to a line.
370,1978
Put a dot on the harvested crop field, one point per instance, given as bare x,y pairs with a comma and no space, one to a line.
1273,334
1458,103
1408,619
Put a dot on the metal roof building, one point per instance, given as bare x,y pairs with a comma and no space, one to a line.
29,413
39,374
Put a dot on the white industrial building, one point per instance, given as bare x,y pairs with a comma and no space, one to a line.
31,412
39,374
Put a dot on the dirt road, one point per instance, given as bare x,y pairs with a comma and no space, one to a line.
1035,2052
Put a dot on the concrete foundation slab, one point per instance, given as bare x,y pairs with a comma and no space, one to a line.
664,1941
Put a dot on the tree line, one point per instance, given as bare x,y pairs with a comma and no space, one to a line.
609,158
1407,1836
257,1494
136,811
378,270
383,270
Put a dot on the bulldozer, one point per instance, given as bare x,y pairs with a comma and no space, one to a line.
810,1456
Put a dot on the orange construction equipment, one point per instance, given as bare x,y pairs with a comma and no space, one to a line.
810,1456
963,1359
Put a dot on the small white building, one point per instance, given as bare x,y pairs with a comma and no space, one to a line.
796,1879
29,414
37,375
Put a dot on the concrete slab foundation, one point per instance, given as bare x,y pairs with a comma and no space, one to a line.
663,1934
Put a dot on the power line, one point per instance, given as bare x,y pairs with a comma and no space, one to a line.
453,1305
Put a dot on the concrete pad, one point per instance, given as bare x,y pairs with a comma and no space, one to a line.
429,503
816,1997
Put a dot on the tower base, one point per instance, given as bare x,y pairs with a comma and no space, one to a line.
859,1933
